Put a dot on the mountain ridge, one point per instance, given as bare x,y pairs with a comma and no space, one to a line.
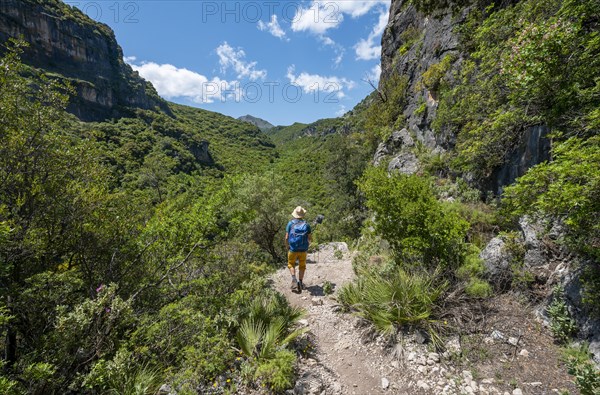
258,122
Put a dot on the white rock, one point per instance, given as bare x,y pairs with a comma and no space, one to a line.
524,353
385,383
513,341
303,322
468,376
517,391
422,369
435,357
475,386
411,356
535,384
487,381
317,301
497,335
395,364
423,385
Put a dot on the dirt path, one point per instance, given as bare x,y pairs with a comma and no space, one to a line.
341,363
341,355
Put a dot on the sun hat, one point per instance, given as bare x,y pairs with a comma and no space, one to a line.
298,212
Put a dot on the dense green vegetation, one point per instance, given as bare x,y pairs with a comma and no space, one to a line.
531,63
124,261
135,252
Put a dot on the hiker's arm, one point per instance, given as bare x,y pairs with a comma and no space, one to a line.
287,244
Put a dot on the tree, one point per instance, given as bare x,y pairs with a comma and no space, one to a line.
418,227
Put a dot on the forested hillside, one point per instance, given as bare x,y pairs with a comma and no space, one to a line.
138,236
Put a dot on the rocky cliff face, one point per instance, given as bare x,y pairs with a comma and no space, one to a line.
66,42
411,44
415,44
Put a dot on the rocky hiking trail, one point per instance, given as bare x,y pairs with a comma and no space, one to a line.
510,353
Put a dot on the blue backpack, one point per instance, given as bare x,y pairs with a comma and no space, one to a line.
298,237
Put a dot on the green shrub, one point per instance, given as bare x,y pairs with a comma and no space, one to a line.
433,76
478,288
566,189
563,327
10,387
587,376
385,114
472,266
393,299
419,229
278,372
262,337
123,375
327,288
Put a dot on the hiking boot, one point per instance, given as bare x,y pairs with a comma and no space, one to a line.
302,286
294,286
299,286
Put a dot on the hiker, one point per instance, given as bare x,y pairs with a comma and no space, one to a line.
297,239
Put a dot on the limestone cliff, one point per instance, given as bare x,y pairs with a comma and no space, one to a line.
65,42
417,45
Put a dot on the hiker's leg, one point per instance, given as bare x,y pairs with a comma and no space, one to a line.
302,266
292,263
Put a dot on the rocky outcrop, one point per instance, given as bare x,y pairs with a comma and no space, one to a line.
65,42
258,122
417,46
534,249
201,152
397,153
533,148
411,44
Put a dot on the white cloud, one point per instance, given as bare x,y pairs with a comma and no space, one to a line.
129,59
314,83
367,49
338,50
173,82
342,110
327,41
338,58
321,16
374,74
229,57
273,27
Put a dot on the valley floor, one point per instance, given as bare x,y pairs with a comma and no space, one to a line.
507,352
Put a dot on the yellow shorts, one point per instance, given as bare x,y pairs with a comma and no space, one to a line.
300,256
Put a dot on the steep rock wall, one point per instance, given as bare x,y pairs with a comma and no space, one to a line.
416,45
65,41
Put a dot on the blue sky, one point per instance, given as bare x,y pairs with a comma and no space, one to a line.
283,61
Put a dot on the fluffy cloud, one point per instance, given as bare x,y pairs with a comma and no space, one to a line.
311,83
229,57
374,74
338,50
367,49
341,111
321,16
172,82
273,27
